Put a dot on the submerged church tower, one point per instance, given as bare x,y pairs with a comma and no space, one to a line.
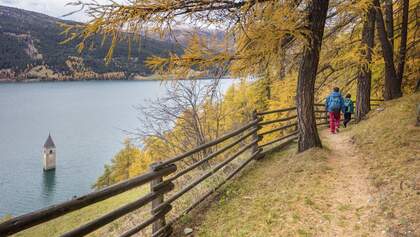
49,154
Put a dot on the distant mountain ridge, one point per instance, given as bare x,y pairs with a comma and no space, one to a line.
30,49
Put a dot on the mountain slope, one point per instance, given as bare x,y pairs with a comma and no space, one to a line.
365,183
30,43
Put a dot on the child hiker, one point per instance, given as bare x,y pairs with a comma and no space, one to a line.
348,109
334,104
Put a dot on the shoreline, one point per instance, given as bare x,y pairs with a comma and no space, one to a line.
17,81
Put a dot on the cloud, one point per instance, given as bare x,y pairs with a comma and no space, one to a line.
55,8
7,2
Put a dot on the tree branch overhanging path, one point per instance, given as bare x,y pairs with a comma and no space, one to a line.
262,38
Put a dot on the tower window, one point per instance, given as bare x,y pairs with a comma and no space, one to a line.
51,151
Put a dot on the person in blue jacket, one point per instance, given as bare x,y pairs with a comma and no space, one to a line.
348,109
334,104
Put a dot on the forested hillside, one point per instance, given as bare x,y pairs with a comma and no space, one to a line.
30,48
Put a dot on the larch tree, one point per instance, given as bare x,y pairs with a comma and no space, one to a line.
392,86
257,28
403,44
389,20
308,133
364,76
276,42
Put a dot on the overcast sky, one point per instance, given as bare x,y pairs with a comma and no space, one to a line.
56,8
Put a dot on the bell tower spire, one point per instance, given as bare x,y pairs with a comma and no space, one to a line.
49,154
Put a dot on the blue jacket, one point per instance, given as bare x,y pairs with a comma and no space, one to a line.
328,101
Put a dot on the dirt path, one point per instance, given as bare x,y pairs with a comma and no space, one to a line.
352,202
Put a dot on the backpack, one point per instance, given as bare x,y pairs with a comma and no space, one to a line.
347,105
335,103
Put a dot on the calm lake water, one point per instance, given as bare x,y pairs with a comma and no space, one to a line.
86,121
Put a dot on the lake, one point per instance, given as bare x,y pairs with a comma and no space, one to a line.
86,120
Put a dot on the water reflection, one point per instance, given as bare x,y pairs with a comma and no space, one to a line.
77,113
48,185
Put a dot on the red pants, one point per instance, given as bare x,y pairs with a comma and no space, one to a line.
334,121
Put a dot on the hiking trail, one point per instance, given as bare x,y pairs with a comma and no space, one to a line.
352,201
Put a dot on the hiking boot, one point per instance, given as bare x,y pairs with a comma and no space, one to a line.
337,130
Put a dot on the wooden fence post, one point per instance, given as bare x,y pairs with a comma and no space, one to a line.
160,223
327,119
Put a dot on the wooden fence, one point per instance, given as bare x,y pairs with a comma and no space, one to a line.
162,175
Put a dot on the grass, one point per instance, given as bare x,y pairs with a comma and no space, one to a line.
70,221
391,143
287,194
288,200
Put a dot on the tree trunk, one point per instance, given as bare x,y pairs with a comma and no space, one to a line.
308,133
365,74
282,59
403,44
389,22
267,85
392,89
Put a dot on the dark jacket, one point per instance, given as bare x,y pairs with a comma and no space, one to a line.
350,107
328,101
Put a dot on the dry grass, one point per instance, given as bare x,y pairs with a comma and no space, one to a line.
210,183
391,144
70,221
291,195
287,200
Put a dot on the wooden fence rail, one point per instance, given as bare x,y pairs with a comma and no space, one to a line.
37,217
211,143
276,111
161,176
